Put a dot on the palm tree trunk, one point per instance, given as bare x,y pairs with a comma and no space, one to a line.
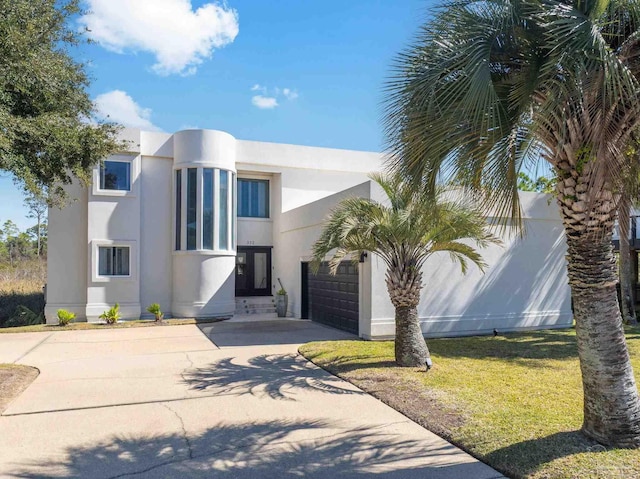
626,284
611,404
410,347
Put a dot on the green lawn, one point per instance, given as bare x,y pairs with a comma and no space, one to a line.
513,401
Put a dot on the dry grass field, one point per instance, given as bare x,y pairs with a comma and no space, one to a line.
22,285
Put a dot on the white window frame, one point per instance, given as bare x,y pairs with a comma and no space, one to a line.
134,171
96,277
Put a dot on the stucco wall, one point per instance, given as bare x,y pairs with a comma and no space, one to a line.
114,219
156,233
67,259
524,287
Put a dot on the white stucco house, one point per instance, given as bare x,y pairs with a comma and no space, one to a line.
205,225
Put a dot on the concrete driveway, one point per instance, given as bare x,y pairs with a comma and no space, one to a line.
227,399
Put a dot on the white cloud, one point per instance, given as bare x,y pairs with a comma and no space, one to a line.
264,102
179,37
119,107
290,94
269,97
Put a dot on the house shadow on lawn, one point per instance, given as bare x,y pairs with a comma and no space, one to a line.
276,376
526,457
272,449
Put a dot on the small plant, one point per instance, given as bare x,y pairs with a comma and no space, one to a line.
156,311
281,291
112,314
65,317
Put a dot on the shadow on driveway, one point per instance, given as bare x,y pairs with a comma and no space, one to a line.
275,376
286,331
273,449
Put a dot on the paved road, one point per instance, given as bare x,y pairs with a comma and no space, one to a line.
225,400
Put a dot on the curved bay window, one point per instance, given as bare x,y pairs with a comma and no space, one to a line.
204,209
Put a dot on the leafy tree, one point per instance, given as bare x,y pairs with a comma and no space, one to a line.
36,204
10,233
542,184
45,138
404,235
492,86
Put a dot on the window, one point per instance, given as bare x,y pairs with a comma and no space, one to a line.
192,199
208,221
115,175
207,208
224,211
253,198
178,208
113,261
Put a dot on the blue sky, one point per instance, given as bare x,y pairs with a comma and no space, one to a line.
290,71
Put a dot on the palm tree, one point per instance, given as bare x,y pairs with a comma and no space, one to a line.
404,233
490,86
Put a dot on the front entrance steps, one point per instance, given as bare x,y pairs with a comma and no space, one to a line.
249,305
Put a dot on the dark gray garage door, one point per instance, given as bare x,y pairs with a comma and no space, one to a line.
331,300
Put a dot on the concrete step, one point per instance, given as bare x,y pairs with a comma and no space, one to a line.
255,305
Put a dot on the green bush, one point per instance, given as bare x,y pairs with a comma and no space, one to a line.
112,314
23,316
65,317
156,311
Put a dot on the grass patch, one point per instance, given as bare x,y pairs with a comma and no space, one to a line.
14,379
140,323
513,401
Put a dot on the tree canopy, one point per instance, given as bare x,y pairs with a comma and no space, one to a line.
46,133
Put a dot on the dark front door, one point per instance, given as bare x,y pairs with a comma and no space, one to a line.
253,271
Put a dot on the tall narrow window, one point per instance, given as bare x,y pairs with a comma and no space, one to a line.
207,208
233,211
178,208
192,199
224,210
253,198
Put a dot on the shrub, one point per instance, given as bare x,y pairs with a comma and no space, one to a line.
112,314
156,311
65,317
23,316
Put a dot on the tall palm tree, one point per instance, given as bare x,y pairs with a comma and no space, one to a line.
490,86
404,233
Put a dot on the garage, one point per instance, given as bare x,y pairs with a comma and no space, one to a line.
331,299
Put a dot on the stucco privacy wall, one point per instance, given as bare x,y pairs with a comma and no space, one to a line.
524,287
